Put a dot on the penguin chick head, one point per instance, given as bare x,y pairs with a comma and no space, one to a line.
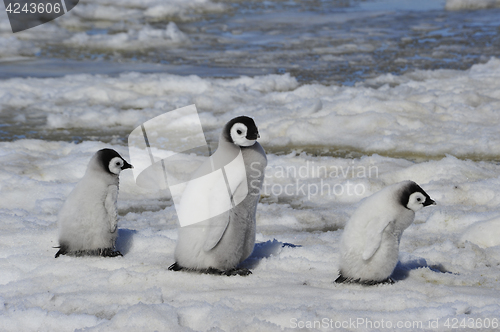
414,198
241,131
111,161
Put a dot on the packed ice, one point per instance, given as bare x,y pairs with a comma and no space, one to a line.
329,146
423,113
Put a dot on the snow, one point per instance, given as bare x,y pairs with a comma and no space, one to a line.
329,146
438,128
295,261
483,233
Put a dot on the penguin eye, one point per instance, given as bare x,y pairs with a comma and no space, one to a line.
419,199
118,163
239,132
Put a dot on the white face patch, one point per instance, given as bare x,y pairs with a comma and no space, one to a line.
239,133
416,201
115,165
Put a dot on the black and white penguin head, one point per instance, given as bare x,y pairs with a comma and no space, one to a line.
241,131
414,198
111,161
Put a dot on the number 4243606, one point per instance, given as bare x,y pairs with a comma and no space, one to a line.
471,323
33,8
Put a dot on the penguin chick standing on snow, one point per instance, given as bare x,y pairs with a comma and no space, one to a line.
369,247
88,218
218,244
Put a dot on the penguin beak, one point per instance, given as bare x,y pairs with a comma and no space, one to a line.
429,202
253,137
126,165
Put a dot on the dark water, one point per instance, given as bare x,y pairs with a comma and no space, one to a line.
339,42
330,42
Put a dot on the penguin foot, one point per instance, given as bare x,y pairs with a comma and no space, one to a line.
389,281
176,267
237,272
342,279
103,252
211,270
106,252
63,250
109,252
231,272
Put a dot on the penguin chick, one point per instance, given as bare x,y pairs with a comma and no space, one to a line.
369,247
219,244
88,218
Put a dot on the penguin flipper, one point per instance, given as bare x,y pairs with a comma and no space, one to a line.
215,230
236,186
374,231
110,205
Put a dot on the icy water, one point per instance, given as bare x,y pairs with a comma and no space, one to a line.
332,43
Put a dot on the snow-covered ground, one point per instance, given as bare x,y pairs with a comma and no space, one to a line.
438,128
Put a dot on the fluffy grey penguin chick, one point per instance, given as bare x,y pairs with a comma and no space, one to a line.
218,245
88,219
369,247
